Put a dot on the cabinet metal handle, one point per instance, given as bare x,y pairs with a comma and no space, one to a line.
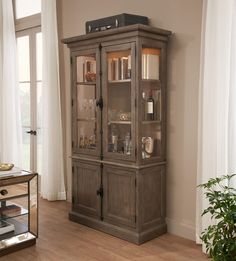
100,192
99,103
3,192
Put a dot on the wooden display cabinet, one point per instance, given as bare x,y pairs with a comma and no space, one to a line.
118,80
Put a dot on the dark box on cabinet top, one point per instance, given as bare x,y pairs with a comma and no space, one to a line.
114,22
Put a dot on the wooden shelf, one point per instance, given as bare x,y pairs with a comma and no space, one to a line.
120,81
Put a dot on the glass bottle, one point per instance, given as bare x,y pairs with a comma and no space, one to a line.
114,138
150,107
127,144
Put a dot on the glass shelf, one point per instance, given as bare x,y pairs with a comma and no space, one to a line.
151,81
87,120
13,197
119,122
86,83
151,84
12,210
151,122
88,147
120,81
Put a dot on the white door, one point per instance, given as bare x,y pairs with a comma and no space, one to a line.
29,49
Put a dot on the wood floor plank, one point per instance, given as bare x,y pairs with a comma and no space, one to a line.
63,240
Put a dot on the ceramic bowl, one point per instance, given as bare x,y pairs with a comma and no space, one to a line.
6,166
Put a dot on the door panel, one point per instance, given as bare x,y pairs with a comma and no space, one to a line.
86,92
119,103
86,182
152,102
152,197
119,196
29,51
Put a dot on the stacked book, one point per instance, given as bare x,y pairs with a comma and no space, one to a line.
6,227
150,64
119,68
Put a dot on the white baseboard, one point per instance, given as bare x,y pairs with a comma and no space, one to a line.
182,229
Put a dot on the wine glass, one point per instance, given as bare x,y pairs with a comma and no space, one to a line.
91,108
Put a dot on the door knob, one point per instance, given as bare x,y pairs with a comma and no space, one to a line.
3,192
32,132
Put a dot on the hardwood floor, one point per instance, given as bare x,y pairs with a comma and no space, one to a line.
63,240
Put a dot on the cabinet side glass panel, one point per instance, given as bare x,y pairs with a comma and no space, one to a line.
33,206
119,102
151,101
151,104
151,141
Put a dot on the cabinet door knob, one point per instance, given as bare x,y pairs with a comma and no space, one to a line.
99,103
3,192
100,192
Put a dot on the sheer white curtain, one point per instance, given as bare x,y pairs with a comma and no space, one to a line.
52,183
10,127
217,98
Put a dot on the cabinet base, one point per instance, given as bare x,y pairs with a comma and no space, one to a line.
126,234
17,247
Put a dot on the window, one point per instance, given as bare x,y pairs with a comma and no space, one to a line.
24,8
29,49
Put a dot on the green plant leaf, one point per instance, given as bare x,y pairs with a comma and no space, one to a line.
220,238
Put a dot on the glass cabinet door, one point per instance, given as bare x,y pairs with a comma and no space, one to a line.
119,108
151,104
85,111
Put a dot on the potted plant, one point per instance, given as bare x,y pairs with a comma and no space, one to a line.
220,238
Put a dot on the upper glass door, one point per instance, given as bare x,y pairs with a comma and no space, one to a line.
86,113
119,93
151,104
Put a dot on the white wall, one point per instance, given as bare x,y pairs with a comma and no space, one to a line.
183,18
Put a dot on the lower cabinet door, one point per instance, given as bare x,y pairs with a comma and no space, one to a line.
86,183
119,196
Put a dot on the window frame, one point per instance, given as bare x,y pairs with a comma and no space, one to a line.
26,22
